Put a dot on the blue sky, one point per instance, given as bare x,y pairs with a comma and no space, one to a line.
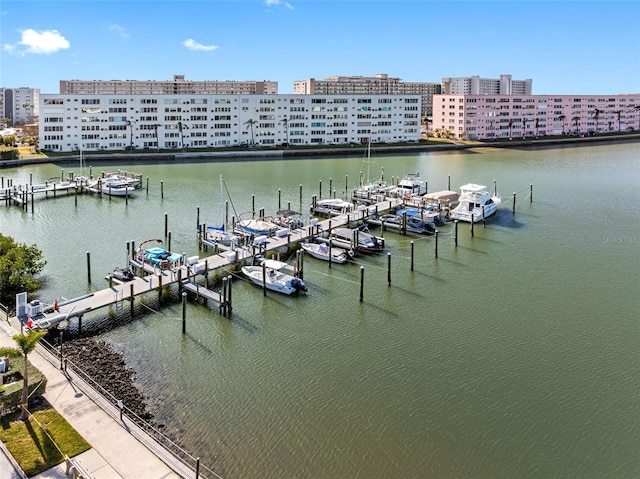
566,47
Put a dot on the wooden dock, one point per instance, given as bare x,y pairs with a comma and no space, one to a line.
185,276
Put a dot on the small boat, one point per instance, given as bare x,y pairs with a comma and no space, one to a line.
287,219
258,227
410,185
415,222
354,239
321,251
158,256
474,204
269,274
115,187
122,274
332,206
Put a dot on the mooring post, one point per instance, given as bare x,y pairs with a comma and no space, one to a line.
279,199
197,217
226,213
161,189
223,299
229,301
456,232
330,186
513,210
32,196
412,248
184,312
346,186
169,241
131,298
473,220
179,281
530,192
436,238
197,467
330,250
495,188
147,185
484,218
160,283
449,183
88,267
361,283
166,226
320,189
389,269
253,206
76,195
264,280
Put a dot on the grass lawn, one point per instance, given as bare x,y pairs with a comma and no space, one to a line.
42,441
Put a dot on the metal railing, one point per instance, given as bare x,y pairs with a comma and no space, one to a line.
167,450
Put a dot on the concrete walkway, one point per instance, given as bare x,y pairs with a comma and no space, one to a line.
116,453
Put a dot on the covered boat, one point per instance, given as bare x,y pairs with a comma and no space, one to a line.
158,255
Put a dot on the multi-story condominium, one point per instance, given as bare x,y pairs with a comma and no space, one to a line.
381,84
117,122
485,117
177,86
19,105
475,85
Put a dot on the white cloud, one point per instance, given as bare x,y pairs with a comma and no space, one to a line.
119,30
279,2
38,43
191,44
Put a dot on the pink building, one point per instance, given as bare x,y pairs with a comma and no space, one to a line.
485,117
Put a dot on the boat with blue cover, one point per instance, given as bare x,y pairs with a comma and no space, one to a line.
158,256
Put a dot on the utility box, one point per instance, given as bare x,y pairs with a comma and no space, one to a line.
34,308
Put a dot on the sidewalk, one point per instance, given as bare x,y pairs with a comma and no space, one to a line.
115,453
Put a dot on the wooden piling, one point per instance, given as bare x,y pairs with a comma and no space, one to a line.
513,208
131,298
229,301
389,269
361,283
169,241
472,223
279,199
147,185
161,189
198,217
436,246
88,267
456,232
412,250
320,189
166,226
530,192
184,312
264,280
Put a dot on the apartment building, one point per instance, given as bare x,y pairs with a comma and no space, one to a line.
149,121
381,84
177,86
486,117
474,85
19,105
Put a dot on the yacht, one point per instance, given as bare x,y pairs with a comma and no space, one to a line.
475,204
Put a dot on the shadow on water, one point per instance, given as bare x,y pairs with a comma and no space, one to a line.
243,324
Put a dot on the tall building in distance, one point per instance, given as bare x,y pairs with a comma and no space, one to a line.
381,84
177,86
474,85
19,105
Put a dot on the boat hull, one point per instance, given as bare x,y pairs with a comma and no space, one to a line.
275,280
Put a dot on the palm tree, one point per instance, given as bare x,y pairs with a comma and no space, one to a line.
596,114
510,126
537,125
636,109
618,112
130,125
285,122
562,118
575,120
155,127
250,122
181,126
524,127
26,344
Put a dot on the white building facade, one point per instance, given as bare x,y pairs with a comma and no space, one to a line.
20,105
178,86
381,84
474,85
486,117
117,122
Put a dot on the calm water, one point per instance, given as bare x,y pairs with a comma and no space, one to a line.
514,354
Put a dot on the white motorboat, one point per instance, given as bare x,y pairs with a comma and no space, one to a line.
321,251
354,239
332,206
421,221
475,204
410,185
269,274
115,187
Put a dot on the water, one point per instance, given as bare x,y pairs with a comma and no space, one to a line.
514,354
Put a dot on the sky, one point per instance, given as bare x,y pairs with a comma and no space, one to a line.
566,47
